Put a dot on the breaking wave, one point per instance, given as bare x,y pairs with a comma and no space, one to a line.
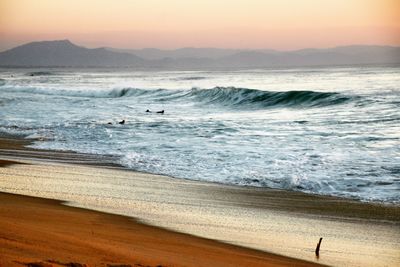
231,96
222,96
238,97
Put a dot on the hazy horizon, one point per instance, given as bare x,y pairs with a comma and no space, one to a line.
191,47
253,24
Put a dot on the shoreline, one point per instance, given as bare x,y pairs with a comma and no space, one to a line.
11,143
208,205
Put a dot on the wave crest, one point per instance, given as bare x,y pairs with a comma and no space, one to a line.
238,97
221,96
232,96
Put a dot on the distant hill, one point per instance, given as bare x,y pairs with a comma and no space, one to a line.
350,55
187,52
66,54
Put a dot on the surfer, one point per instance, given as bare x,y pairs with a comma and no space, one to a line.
122,122
160,112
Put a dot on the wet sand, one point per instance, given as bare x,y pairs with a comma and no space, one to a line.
287,223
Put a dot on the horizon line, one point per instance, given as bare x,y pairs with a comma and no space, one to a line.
194,47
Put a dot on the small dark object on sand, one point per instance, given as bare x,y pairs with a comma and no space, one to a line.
317,249
160,112
122,122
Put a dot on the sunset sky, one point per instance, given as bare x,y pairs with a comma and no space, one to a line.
277,24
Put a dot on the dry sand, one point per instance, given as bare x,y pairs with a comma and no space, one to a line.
36,230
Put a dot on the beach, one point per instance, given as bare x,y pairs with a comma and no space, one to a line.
46,233
199,133
262,220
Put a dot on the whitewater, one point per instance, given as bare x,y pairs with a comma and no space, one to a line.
328,131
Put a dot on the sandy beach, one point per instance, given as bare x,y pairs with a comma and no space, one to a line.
45,232
199,133
262,220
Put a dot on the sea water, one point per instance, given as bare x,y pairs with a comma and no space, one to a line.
328,131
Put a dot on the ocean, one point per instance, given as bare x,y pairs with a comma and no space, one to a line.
328,131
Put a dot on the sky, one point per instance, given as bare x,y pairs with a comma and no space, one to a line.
170,24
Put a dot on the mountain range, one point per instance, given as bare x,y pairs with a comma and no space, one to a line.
63,53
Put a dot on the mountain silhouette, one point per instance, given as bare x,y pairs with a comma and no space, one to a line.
63,53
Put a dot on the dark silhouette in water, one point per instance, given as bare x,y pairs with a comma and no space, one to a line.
122,122
159,112
109,123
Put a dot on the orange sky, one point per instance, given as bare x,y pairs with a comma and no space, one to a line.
278,24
